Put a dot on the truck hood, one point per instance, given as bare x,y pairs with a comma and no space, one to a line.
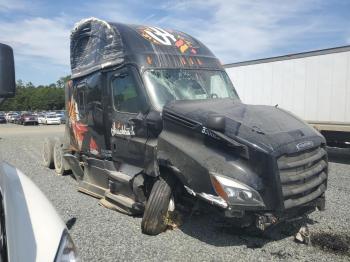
267,128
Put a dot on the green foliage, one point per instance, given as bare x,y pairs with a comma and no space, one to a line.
30,98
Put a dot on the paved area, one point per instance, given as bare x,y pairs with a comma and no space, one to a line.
104,235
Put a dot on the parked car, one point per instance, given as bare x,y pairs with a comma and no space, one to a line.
24,236
16,119
26,119
52,119
41,118
62,118
11,117
30,228
2,119
7,116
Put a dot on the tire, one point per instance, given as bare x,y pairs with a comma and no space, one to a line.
156,210
47,152
58,157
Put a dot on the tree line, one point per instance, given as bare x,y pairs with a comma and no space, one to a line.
33,98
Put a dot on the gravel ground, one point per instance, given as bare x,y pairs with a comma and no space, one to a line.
104,235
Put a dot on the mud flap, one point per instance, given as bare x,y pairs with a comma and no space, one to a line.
74,165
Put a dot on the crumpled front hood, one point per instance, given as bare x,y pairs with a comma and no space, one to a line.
265,127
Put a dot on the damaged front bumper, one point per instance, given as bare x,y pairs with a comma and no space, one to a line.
263,220
246,215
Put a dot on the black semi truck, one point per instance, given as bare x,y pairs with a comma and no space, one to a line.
152,118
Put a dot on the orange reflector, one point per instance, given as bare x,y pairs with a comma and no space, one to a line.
149,60
218,188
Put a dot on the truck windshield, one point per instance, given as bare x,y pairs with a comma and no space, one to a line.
166,85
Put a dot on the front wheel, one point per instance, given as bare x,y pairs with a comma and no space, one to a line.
155,217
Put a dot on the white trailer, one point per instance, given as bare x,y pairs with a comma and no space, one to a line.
313,85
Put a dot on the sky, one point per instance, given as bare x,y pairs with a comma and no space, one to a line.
235,30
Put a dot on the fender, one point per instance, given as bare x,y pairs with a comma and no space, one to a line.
33,227
192,162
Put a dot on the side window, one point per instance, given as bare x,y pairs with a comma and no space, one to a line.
126,93
81,99
93,91
94,95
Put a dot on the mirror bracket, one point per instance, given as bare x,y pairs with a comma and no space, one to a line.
216,122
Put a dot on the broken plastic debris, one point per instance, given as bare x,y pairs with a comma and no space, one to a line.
303,235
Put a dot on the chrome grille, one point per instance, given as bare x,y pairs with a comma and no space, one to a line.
303,176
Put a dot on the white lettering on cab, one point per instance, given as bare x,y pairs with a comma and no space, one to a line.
161,35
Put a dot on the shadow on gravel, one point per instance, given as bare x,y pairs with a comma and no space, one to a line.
204,228
339,155
71,222
338,244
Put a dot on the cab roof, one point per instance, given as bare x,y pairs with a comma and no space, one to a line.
97,44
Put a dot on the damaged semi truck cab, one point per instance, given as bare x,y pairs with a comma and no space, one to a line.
152,116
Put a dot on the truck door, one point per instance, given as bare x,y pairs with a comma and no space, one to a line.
128,132
94,111
86,116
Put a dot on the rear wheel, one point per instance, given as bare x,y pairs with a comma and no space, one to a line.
58,157
155,217
47,152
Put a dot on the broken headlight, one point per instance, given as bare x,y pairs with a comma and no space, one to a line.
235,193
66,250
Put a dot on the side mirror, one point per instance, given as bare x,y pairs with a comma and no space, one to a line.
154,122
7,72
216,122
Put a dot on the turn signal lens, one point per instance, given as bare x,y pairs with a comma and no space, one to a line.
218,188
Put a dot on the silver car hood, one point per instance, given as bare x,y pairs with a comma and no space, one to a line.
33,227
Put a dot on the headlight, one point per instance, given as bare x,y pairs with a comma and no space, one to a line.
66,250
235,193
